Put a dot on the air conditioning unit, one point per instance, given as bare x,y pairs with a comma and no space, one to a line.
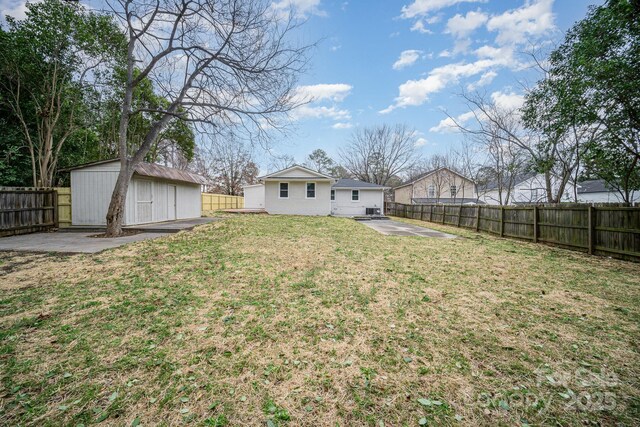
373,211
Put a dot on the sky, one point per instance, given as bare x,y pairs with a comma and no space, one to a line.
407,61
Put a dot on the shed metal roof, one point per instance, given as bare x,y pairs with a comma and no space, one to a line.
154,170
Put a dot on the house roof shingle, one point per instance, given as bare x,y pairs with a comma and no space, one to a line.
593,186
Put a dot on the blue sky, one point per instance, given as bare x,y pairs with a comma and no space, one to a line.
407,62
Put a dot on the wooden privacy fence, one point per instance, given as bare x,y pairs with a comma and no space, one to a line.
27,210
602,230
215,202
64,206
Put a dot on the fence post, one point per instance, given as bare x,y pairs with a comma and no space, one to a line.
444,212
421,212
592,237
430,213
459,215
478,218
56,219
535,224
501,221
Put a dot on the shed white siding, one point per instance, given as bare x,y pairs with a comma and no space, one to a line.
343,205
254,196
297,203
148,198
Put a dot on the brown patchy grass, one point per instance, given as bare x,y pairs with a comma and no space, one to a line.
319,321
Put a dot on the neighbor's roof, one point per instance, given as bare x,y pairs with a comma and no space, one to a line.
443,201
493,185
354,183
593,186
154,170
431,172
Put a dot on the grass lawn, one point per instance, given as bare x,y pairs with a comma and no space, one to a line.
265,320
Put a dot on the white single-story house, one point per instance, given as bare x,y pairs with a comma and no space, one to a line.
156,193
526,188
298,190
597,191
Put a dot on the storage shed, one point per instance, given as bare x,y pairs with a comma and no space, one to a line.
156,193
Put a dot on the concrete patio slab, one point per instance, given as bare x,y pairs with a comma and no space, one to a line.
395,228
155,227
69,242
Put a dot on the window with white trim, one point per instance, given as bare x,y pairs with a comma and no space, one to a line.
454,191
333,195
311,190
432,191
284,190
355,195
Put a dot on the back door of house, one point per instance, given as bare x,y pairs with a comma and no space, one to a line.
144,201
171,202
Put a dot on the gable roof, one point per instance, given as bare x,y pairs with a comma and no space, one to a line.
153,170
278,174
354,183
431,172
593,186
519,179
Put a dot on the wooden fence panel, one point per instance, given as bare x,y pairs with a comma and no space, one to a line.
27,210
215,202
603,230
64,206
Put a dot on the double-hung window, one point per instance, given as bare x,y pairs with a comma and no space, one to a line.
454,191
284,190
432,191
333,195
311,190
355,195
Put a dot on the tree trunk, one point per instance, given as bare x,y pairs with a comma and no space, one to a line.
115,213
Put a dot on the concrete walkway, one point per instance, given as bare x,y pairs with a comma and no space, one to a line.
154,227
395,228
69,242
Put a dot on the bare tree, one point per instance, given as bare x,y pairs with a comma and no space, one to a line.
555,155
229,166
281,162
227,63
376,154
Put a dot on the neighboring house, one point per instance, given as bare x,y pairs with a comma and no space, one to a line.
156,193
437,186
527,188
597,191
301,191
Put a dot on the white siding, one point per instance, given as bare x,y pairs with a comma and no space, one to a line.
254,196
90,195
91,190
607,197
297,203
343,205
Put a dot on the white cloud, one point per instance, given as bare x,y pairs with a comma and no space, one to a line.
342,125
462,26
334,92
444,54
420,27
301,8
448,125
534,19
507,101
407,58
484,80
416,92
421,142
424,7
307,111
15,8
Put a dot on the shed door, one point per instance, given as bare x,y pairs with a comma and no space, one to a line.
171,202
144,200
